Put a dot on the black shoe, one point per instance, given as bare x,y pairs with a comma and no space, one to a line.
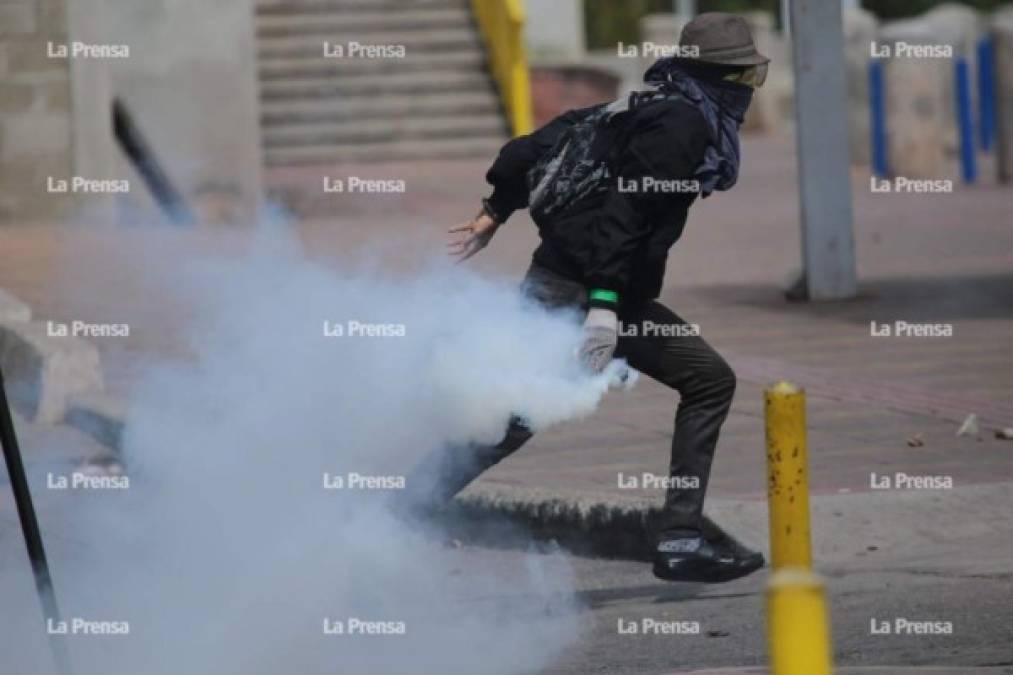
696,559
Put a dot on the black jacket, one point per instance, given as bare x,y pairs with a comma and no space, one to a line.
618,241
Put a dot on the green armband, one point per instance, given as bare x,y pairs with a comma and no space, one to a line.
602,297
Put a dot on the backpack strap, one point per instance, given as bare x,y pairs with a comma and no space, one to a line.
634,99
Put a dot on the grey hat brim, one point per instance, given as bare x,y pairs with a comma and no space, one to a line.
755,59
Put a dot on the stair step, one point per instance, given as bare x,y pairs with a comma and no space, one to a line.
437,101
362,25
394,105
317,66
414,43
347,7
355,132
375,86
424,149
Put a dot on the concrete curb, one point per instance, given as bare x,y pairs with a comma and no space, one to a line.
43,372
585,523
845,526
54,379
873,670
13,309
100,416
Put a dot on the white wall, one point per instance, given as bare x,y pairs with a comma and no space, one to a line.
191,84
555,30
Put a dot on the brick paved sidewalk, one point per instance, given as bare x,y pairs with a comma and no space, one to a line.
871,399
930,259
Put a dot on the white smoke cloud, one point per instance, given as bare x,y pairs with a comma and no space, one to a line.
226,555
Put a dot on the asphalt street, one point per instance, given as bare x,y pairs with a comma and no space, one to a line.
627,622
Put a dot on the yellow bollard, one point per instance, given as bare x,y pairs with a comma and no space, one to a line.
798,630
787,477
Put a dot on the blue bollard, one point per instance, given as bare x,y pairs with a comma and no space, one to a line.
986,93
965,122
877,119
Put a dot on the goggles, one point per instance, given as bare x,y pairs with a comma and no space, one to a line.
753,76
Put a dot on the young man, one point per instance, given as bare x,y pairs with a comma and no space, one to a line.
609,188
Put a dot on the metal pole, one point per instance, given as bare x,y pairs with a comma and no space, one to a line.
146,163
30,529
824,163
986,92
877,119
787,477
685,10
798,624
965,121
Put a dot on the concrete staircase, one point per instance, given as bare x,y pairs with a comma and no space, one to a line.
438,101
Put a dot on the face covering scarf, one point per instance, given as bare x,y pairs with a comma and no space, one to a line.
723,105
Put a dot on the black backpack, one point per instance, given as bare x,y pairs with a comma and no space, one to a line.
580,162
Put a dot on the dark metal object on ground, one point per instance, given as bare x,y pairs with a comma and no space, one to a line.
30,529
143,158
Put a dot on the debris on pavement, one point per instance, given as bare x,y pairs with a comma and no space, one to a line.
101,466
969,427
916,441
1004,434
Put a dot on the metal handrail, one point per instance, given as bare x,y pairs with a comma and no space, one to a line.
501,23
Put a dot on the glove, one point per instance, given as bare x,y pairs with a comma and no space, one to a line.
601,334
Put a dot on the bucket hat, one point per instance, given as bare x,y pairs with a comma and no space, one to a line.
721,39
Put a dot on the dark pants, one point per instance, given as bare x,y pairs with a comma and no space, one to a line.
655,341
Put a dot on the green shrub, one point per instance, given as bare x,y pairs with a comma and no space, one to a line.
610,21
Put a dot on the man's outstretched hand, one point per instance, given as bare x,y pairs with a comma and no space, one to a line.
469,238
